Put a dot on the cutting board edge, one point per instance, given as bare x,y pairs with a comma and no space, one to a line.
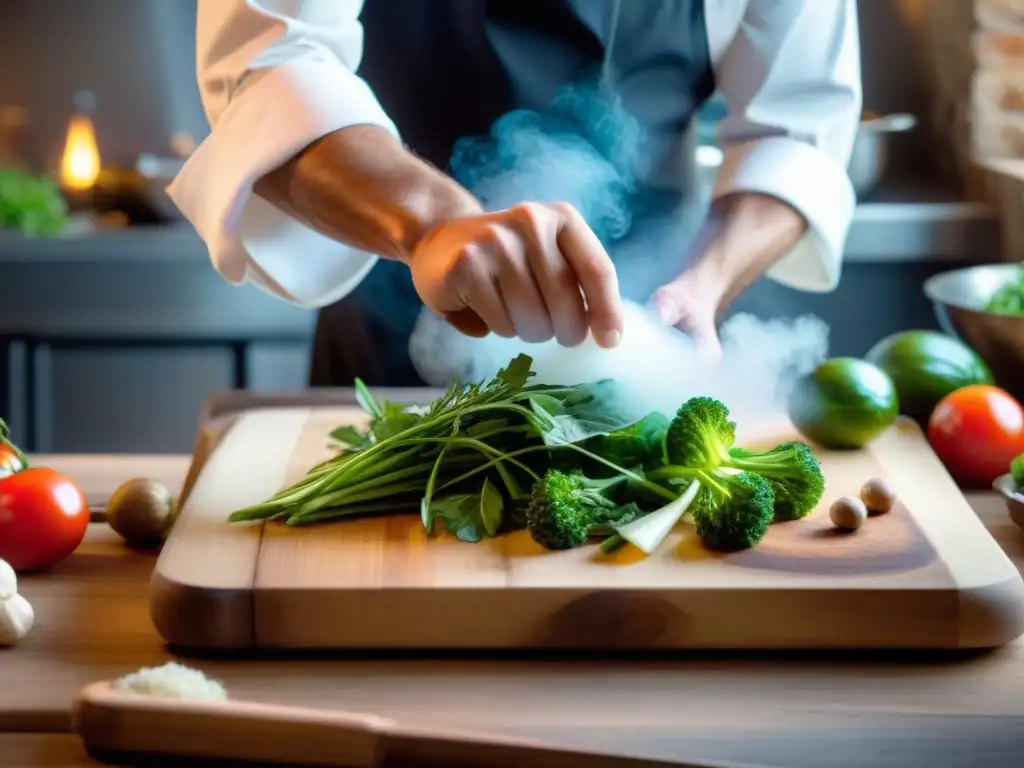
992,615
949,618
194,616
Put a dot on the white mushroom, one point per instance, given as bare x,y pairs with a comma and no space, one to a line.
877,496
848,513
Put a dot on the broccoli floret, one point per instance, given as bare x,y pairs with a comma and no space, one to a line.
793,471
732,512
565,509
700,435
1017,472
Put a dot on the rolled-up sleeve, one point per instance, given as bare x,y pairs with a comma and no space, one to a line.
274,76
790,77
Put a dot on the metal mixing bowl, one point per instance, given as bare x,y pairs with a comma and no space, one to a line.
958,298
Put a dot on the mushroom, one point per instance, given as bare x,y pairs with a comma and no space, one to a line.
877,496
848,513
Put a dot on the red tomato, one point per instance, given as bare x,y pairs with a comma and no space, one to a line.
977,431
10,461
43,518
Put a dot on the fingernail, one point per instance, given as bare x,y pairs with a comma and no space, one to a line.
611,338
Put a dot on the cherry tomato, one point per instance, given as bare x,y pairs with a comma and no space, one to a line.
43,518
977,431
10,461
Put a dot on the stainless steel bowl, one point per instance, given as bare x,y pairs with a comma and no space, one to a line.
959,297
1006,488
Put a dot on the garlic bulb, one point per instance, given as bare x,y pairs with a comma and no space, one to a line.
16,617
8,580
16,614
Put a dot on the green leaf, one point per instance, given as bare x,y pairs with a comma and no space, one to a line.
584,413
426,508
491,507
366,400
636,445
461,515
348,435
471,516
517,372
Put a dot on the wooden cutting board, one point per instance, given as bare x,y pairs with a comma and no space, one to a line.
925,575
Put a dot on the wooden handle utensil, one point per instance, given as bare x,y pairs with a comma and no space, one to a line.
114,722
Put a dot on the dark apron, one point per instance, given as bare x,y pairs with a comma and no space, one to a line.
446,69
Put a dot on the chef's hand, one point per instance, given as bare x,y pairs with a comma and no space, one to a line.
535,271
744,235
691,308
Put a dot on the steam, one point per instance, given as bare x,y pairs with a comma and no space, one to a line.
585,149
581,150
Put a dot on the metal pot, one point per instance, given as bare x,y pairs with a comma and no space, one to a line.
870,157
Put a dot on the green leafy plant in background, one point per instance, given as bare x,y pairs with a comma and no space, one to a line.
31,205
1009,299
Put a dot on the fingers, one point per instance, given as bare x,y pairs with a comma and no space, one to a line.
529,310
668,308
468,323
474,289
555,280
534,271
595,274
678,305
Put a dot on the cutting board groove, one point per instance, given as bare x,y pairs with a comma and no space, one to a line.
926,575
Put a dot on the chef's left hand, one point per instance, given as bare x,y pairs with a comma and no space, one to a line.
691,308
744,235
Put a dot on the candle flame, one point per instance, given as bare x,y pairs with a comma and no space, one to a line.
80,163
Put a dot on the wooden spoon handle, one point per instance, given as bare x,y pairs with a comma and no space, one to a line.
116,722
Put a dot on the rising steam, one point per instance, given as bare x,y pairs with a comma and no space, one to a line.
585,150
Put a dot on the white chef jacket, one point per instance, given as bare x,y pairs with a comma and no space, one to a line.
276,75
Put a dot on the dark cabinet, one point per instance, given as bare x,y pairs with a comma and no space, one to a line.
124,399
13,397
277,366
65,395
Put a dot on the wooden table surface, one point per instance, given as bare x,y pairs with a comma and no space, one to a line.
92,623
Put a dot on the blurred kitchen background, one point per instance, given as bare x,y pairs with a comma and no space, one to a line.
114,332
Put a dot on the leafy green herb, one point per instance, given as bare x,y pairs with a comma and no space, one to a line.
562,461
31,205
1009,298
483,440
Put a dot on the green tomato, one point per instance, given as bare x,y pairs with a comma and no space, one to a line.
844,403
925,366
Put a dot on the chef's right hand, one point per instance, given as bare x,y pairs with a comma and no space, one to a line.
536,271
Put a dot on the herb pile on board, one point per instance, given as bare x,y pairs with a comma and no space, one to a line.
564,462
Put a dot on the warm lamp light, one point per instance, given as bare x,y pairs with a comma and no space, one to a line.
80,163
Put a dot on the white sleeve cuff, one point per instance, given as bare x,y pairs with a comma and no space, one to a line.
272,117
815,185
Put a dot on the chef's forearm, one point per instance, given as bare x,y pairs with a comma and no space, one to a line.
744,235
361,186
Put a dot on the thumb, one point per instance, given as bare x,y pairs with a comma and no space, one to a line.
674,307
666,305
